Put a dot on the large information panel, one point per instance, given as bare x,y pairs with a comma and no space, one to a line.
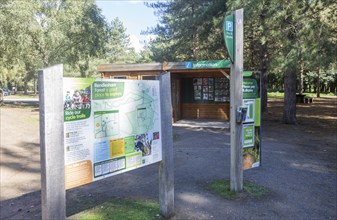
110,126
251,127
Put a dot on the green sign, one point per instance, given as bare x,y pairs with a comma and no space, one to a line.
108,90
207,64
248,135
250,88
247,73
229,34
251,131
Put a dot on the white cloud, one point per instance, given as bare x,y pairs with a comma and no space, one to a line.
135,1
135,43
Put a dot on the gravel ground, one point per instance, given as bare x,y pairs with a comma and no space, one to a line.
299,167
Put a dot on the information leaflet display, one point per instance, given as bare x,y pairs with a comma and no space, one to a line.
251,128
110,126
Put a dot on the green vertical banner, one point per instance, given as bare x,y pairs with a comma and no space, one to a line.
229,35
251,133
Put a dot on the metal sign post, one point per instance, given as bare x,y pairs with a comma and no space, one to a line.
233,29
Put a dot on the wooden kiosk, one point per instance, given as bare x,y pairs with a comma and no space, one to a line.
200,89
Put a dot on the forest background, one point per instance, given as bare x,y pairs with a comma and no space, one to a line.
292,43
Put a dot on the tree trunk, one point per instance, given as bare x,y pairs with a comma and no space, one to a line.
264,79
84,68
34,79
25,88
300,88
318,84
264,59
289,109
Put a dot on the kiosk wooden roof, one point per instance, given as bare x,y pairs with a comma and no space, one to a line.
222,66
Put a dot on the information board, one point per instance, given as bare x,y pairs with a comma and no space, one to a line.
110,126
251,128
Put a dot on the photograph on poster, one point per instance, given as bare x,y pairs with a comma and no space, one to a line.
143,143
77,99
210,96
197,94
251,155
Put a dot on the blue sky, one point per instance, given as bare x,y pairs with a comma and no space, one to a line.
135,16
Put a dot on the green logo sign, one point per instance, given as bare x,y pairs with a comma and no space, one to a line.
229,34
207,64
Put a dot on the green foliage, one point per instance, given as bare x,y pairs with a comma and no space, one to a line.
119,45
39,33
305,33
188,30
283,40
122,209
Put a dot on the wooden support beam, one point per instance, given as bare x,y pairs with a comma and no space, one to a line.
236,171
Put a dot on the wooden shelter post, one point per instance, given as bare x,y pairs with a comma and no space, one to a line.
236,79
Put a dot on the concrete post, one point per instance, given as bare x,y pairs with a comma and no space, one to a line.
51,143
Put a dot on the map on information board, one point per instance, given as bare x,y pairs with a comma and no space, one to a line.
111,126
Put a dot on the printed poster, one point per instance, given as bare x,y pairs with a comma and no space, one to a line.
248,135
250,104
111,126
251,128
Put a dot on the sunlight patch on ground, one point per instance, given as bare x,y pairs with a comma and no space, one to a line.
193,198
314,167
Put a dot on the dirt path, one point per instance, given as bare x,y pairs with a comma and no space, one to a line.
20,151
299,167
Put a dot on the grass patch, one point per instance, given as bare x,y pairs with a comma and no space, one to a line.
22,96
322,94
31,105
277,95
222,188
280,95
255,190
121,209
